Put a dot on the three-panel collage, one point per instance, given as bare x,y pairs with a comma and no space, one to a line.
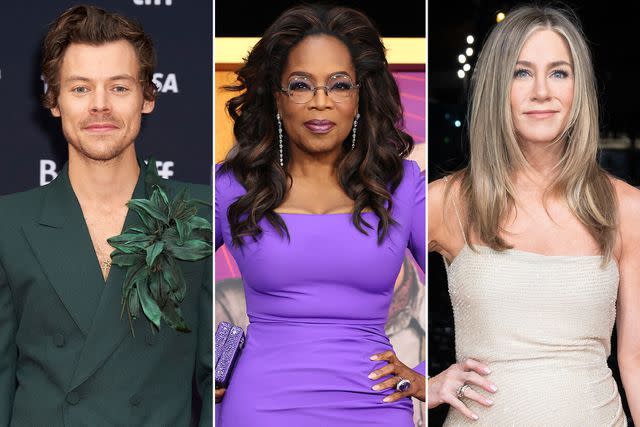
315,213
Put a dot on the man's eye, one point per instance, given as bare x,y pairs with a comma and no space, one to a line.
121,89
80,89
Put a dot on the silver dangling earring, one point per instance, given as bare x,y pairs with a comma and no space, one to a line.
353,133
280,139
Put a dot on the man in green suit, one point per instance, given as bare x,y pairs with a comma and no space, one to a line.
68,356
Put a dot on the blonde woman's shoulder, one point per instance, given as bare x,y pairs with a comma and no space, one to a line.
625,192
436,192
628,197
437,195
444,198
628,211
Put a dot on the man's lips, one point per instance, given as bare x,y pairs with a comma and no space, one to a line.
319,126
100,127
540,114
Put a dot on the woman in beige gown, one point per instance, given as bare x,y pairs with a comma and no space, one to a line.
542,247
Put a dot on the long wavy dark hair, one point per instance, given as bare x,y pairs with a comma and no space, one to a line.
369,174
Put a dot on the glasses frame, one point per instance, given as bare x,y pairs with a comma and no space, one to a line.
354,88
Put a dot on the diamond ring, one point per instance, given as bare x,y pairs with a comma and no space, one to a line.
461,390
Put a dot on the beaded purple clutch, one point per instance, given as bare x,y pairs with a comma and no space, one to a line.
229,342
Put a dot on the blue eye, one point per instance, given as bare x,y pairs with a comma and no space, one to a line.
560,74
521,73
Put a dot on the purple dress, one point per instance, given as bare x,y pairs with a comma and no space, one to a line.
317,307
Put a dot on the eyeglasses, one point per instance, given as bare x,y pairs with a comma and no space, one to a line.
340,88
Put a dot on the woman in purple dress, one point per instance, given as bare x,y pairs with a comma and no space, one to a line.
317,206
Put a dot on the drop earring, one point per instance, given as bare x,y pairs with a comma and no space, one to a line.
353,133
280,139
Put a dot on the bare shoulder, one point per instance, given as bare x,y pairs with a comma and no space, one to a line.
439,194
628,201
443,195
436,193
628,215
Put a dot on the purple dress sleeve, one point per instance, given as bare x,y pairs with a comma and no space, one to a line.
417,236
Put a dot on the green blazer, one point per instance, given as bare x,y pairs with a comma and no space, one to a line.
67,357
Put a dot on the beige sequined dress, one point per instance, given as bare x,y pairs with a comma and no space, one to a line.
543,324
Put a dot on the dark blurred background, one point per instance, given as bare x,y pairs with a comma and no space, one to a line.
610,28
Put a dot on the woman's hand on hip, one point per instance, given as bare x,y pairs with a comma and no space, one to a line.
400,372
456,382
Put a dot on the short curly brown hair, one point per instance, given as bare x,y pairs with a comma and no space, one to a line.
94,26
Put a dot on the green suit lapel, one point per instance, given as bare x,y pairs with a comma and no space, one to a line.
61,242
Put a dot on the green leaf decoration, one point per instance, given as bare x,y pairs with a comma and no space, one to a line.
157,287
132,272
149,305
159,198
179,288
197,222
124,259
169,279
151,224
191,250
170,231
183,231
134,304
141,230
136,275
173,317
144,206
153,251
170,236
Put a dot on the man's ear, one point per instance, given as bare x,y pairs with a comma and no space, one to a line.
148,105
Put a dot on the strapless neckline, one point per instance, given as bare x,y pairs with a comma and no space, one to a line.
525,255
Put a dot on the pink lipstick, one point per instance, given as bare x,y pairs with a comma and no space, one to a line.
319,126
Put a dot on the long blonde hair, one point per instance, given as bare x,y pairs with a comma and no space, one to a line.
486,186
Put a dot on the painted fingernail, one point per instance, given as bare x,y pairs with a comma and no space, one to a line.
487,370
489,401
374,357
372,376
386,399
375,387
493,387
474,416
